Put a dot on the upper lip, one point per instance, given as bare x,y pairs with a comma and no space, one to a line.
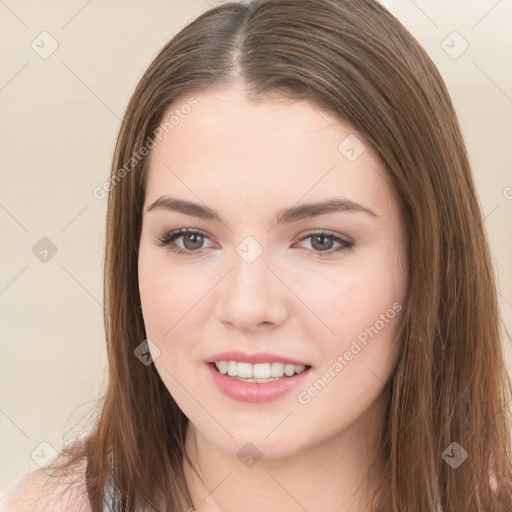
260,357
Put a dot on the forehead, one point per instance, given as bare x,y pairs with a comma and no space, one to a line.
233,150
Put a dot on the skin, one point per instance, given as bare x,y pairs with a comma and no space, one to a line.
248,160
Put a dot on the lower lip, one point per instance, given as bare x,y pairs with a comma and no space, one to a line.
255,392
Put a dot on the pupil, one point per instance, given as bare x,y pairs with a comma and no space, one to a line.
192,236
323,240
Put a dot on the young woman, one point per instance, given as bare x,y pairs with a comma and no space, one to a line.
301,307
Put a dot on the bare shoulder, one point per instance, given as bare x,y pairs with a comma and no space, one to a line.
40,491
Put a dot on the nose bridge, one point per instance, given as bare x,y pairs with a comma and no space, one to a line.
252,293
252,277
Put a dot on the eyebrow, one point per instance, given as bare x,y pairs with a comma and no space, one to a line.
285,216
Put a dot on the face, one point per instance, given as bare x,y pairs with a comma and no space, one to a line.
324,289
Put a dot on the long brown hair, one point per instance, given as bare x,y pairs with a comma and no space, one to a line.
450,384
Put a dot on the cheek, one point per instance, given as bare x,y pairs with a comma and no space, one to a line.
362,307
351,299
364,310
159,293
167,297
165,291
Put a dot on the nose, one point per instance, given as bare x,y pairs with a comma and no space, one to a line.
253,296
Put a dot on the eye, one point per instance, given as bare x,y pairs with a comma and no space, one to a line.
319,240
194,239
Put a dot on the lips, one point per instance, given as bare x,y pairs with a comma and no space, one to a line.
254,392
260,357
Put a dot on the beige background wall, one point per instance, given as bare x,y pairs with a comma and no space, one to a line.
60,113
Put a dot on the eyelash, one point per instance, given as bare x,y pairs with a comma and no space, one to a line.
168,239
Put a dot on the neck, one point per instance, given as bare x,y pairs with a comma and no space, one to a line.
329,476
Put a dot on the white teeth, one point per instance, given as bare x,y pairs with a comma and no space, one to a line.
258,371
244,370
289,369
276,369
232,368
255,380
